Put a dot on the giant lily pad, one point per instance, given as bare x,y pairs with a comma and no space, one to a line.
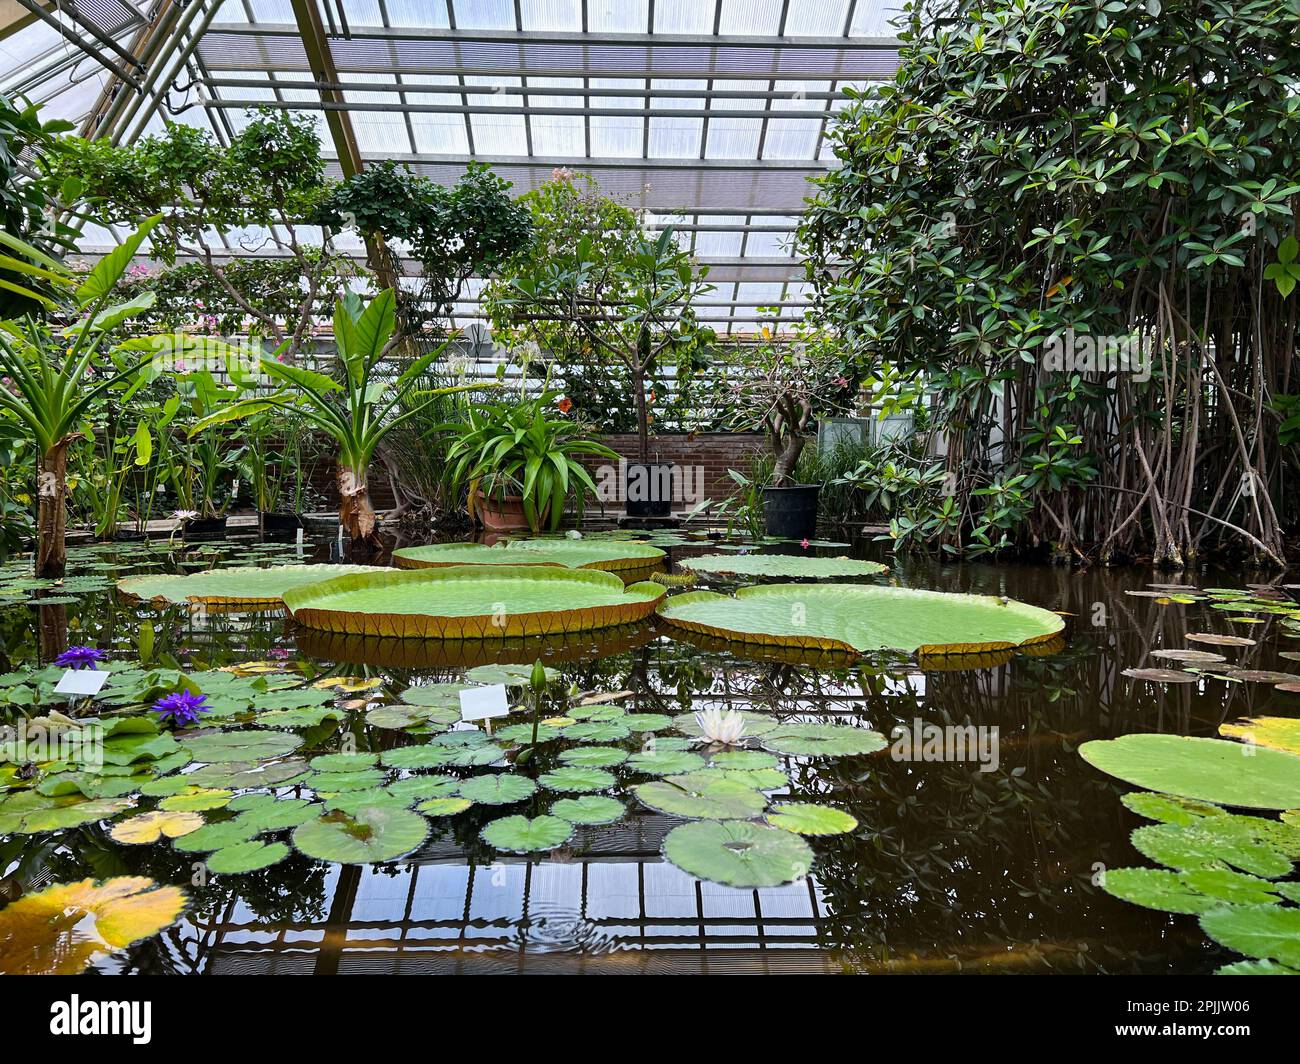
737,853
791,565
60,930
372,835
860,617
571,554
519,834
472,602
250,588
1212,770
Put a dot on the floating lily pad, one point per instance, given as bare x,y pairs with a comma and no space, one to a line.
354,801
1161,675
589,809
1267,932
457,602
275,814
369,836
498,789
1168,808
333,782
576,779
150,827
1212,770
445,806
756,724
1156,888
823,740
860,617
196,799
239,775
594,756
1208,845
572,554
597,731
519,834
716,799
665,762
60,930
218,836
247,587
343,762
804,818
738,853
415,788
1215,640
240,746
788,565
246,856
744,759
1277,733
646,722
510,675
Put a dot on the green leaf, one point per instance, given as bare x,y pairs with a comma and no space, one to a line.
519,834
738,853
110,268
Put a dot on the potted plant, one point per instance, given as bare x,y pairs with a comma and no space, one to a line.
272,461
519,463
790,381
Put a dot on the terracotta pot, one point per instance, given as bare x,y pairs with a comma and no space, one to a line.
500,514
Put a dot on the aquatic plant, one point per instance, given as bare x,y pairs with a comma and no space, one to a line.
716,726
181,708
80,658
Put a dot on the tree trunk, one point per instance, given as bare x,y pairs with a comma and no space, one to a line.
642,416
356,514
787,459
52,509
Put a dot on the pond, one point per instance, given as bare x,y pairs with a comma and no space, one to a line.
988,860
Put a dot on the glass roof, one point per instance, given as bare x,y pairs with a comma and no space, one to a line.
708,114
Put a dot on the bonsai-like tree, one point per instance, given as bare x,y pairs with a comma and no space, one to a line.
788,382
596,287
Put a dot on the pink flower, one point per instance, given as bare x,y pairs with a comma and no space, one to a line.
804,544
279,653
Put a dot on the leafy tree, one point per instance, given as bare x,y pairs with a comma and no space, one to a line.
1065,224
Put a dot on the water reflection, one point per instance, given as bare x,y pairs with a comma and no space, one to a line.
952,869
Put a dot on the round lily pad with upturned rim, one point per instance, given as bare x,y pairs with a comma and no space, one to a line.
472,602
606,555
863,618
787,565
247,587
738,853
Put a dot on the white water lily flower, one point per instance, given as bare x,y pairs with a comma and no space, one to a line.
573,533
184,515
719,727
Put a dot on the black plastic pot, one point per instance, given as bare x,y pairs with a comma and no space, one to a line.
128,535
791,513
277,523
200,527
649,489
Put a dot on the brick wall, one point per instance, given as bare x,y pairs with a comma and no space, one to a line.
713,453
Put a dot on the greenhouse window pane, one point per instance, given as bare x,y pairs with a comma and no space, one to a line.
551,14
618,16
750,17
822,19
485,14
417,14
675,138
733,138
684,16
362,13
271,10
873,18
791,138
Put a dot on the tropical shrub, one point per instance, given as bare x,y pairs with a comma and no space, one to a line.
1067,223
521,449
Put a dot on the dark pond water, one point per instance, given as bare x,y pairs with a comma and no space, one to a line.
952,869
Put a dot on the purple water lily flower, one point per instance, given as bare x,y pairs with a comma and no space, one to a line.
181,708
79,658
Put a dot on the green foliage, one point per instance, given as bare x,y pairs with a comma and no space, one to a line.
1041,179
521,449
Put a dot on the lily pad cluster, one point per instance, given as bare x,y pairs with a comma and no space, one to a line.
1229,869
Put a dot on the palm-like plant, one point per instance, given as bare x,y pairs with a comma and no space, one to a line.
53,374
359,410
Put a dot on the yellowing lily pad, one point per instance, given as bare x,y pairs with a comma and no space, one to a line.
150,827
1278,733
60,930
